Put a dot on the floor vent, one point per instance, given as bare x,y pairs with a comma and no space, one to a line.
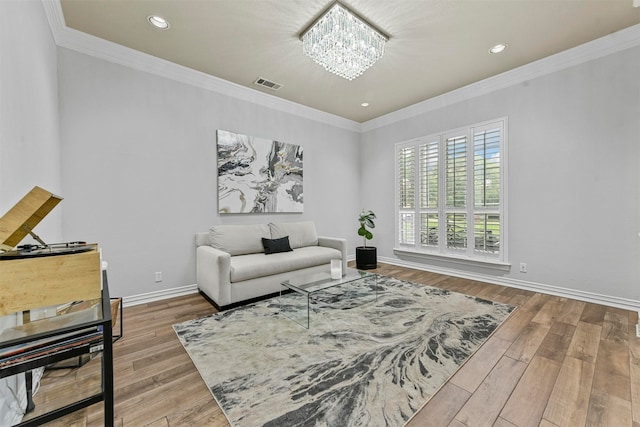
268,84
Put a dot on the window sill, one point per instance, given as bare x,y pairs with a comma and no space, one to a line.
457,259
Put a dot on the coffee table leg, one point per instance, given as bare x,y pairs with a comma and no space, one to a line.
375,279
295,310
308,310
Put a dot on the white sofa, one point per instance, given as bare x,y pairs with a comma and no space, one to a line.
232,267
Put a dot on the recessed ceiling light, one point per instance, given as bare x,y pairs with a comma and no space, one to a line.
498,48
158,22
365,104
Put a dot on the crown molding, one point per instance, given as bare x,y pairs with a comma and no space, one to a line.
78,41
612,43
93,46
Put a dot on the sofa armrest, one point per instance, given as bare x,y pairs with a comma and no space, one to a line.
213,274
335,243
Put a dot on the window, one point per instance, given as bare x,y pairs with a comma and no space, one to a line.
450,193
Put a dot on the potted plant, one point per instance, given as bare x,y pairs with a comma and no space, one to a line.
366,256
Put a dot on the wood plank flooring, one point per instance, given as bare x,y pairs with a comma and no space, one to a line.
554,362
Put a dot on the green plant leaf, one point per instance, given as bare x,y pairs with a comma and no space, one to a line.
366,220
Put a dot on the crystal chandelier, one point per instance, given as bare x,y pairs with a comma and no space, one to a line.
343,43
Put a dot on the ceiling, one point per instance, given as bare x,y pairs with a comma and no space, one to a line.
435,46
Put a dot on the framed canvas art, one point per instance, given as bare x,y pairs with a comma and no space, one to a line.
258,175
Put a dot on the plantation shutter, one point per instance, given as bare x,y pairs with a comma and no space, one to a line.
406,195
449,190
456,230
429,180
486,179
429,175
456,172
406,181
487,168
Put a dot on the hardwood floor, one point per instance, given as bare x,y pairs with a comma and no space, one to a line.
554,362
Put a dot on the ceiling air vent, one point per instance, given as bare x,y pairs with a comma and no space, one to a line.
268,84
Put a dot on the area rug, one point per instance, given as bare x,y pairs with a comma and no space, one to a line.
364,361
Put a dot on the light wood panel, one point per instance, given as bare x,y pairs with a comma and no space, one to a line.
554,362
52,280
25,215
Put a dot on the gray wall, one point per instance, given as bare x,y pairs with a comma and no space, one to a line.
574,162
134,156
29,132
29,138
139,168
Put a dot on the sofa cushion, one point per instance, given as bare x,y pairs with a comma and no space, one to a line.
300,234
274,246
239,239
202,239
250,266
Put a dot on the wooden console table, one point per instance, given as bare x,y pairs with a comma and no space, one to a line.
54,339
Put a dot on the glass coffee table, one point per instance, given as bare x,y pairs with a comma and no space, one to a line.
297,294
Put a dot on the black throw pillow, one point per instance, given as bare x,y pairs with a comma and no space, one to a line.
273,246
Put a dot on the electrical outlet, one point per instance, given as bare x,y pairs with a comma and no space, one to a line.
523,267
158,276
638,330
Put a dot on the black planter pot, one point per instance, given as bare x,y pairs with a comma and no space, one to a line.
366,257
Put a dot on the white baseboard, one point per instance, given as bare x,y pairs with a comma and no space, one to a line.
159,295
607,300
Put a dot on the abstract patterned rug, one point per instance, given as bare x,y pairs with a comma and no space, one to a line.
369,364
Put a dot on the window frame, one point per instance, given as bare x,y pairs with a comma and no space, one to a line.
468,255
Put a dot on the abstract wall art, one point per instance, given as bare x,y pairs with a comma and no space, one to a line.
258,175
